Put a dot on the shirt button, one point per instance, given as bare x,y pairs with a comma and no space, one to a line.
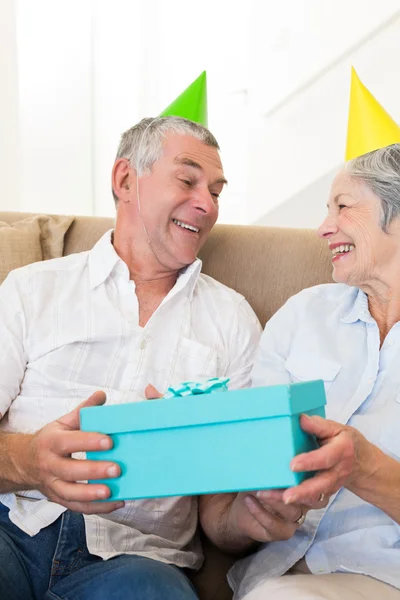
143,344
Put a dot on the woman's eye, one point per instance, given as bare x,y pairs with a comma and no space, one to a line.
340,206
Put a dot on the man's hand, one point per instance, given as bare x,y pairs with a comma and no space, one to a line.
151,392
43,461
344,459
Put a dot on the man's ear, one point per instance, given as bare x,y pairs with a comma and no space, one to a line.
123,179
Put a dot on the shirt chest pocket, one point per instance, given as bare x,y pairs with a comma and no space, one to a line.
310,367
193,361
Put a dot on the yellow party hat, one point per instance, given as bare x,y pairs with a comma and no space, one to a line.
369,127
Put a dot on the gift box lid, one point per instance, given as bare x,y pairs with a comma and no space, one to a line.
205,409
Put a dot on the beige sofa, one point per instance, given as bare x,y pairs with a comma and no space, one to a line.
267,265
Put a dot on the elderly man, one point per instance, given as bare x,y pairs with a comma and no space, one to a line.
103,324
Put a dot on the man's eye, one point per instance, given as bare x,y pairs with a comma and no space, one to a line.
215,195
187,182
340,206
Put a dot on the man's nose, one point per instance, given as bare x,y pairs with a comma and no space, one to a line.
205,202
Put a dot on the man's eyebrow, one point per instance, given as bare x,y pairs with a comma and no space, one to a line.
221,180
188,161
192,163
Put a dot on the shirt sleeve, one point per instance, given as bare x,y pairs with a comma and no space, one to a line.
12,348
245,337
274,349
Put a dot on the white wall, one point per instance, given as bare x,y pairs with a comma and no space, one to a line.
306,209
55,80
299,89
146,54
9,128
278,75
117,54
90,70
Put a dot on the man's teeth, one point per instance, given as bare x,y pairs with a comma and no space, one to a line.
186,226
342,249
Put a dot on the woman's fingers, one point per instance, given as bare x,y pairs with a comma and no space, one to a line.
289,513
272,527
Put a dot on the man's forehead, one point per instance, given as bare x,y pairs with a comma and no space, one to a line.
188,146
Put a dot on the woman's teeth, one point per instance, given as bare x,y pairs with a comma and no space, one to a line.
342,249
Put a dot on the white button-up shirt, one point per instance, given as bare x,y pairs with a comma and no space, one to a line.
70,326
327,332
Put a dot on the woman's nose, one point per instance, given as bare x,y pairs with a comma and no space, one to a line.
327,228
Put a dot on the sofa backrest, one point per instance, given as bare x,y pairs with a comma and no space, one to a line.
265,264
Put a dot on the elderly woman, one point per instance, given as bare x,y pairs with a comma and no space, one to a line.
347,334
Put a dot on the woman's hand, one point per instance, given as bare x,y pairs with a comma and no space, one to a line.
344,459
264,517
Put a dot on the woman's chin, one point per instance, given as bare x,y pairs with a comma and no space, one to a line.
339,276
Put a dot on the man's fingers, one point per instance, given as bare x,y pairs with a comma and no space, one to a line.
151,392
79,492
88,508
96,508
71,420
64,443
71,469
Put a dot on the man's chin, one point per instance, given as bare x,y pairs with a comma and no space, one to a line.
185,255
186,260
179,261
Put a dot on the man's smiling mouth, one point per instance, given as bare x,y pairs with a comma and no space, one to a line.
186,226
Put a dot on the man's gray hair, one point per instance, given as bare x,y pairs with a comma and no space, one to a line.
143,143
380,170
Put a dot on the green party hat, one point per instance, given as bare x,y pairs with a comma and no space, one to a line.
192,103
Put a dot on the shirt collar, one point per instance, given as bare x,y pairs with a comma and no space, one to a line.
103,260
358,310
188,277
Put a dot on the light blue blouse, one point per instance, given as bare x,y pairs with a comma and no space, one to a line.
327,332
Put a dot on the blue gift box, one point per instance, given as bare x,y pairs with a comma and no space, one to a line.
201,444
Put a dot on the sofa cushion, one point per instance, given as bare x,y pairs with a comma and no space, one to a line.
39,237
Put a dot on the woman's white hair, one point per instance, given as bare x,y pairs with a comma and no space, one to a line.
143,143
380,170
